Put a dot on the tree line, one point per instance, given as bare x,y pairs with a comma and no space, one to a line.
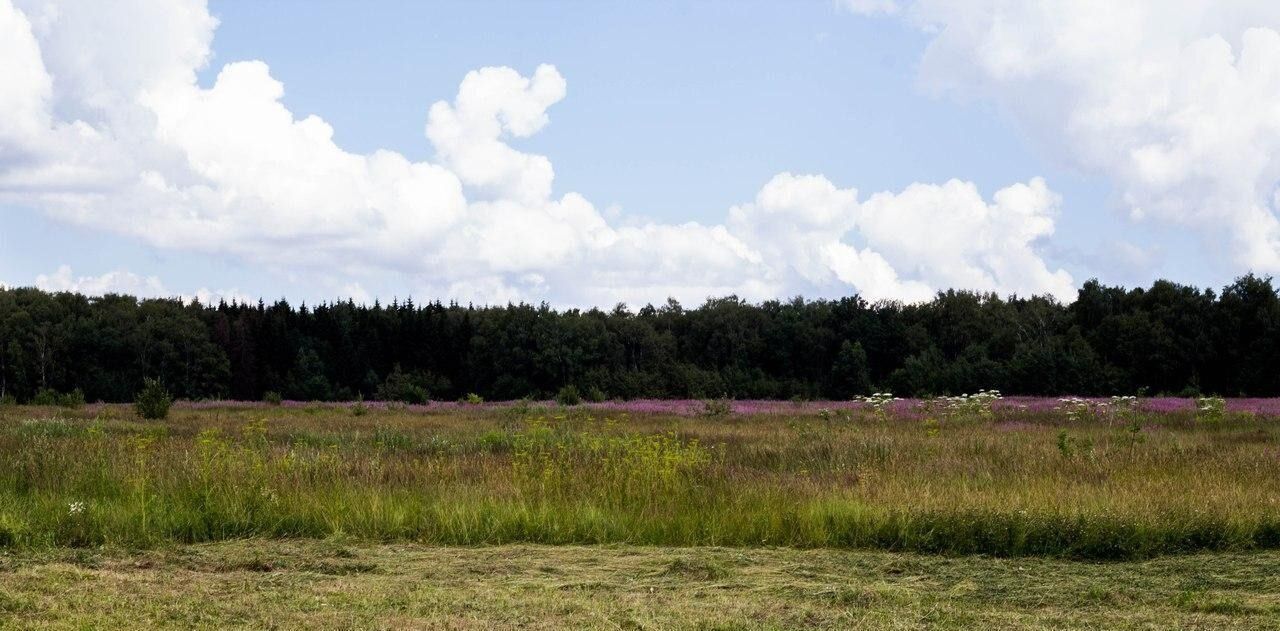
1166,339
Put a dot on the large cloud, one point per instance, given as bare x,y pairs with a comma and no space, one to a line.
1177,101
103,124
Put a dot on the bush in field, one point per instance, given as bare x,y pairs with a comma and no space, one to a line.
716,408
472,399
359,408
8,400
271,397
568,395
73,399
1069,445
45,396
153,401
596,395
49,396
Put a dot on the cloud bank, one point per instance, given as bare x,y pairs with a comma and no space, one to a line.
126,282
1177,102
103,124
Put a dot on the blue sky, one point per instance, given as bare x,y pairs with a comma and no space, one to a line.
672,112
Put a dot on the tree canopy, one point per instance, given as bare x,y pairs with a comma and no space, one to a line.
1168,338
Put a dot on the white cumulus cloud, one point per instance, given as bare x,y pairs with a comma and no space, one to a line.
1177,102
103,124
114,282
124,282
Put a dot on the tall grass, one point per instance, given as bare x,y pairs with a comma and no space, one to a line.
1005,482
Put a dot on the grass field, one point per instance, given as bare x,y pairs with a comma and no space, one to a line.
330,585
1072,481
937,514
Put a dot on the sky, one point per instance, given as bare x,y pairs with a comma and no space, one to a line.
586,154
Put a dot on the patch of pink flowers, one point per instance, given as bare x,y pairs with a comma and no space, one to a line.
690,407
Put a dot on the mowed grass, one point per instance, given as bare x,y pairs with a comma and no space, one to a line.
311,584
1122,485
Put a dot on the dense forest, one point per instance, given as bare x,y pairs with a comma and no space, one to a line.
1169,338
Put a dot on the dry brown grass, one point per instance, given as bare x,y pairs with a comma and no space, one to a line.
332,585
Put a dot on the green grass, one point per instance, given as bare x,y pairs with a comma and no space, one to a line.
337,584
1012,483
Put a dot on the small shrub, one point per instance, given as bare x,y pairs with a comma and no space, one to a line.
8,400
472,399
153,401
568,396
45,396
271,397
596,395
359,408
716,408
523,408
1064,444
404,393
49,396
73,399
1069,446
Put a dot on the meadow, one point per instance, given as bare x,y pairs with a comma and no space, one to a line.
1095,479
